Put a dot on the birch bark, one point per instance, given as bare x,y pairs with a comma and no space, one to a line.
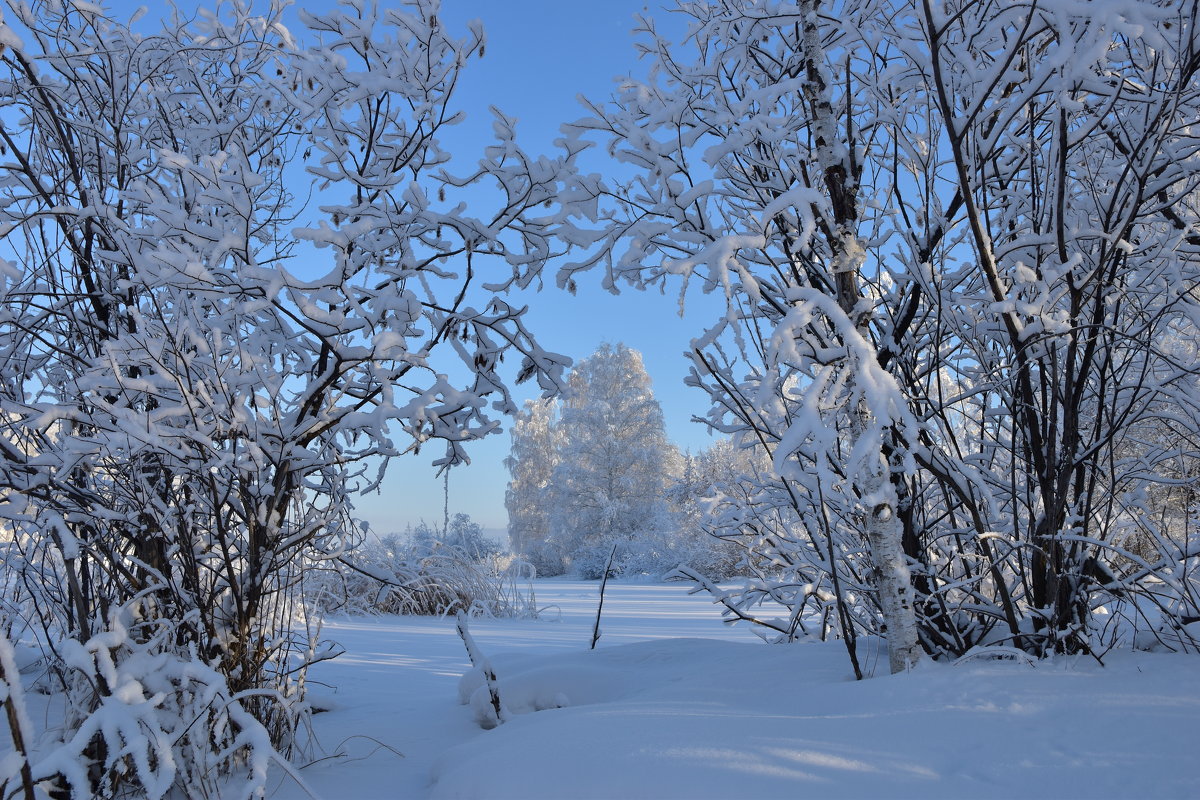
882,524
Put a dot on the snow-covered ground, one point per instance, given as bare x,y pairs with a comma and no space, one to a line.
675,704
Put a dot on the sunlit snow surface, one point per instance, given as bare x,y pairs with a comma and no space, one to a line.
675,704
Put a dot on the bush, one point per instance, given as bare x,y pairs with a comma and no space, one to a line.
437,579
657,554
142,719
589,560
546,559
460,533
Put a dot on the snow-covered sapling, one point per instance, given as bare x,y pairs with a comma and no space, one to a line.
600,606
497,713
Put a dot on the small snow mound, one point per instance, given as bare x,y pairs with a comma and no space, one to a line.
996,653
528,684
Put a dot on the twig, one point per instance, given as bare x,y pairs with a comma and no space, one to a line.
599,608
720,597
478,660
19,727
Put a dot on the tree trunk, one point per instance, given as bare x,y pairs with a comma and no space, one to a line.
883,527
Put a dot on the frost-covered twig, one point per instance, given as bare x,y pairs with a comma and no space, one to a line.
722,597
19,727
600,607
480,662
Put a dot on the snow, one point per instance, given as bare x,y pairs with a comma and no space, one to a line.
674,704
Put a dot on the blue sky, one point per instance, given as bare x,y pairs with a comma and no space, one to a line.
540,56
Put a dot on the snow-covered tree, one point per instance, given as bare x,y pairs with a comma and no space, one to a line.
711,478
952,238
745,180
615,461
197,367
596,469
461,533
536,439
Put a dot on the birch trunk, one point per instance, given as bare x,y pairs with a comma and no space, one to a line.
882,524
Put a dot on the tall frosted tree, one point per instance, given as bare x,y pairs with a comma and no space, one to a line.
612,475
531,463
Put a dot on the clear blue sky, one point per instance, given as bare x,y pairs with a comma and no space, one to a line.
540,55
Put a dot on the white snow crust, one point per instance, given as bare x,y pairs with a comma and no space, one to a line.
674,705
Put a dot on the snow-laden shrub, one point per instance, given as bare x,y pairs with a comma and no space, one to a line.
546,559
656,554
589,561
140,719
387,577
716,558
459,532
198,361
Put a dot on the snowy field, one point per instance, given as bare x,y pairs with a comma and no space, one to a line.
674,704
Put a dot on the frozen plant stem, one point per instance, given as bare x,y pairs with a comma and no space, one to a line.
19,727
485,666
603,583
